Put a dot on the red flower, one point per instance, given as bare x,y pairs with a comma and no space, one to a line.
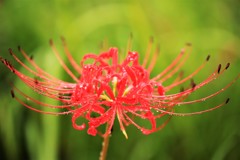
110,89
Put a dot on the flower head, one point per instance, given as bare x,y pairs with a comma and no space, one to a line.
110,89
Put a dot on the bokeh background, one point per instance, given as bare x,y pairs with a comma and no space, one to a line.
211,26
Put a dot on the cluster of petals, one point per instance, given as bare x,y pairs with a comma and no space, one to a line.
112,89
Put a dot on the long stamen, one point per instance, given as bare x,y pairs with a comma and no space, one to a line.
40,73
41,103
129,44
193,113
174,63
147,54
212,95
62,63
187,78
155,57
70,58
40,111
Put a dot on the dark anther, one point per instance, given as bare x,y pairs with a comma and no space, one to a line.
12,94
227,100
60,96
51,42
19,48
193,84
36,81
10,66
31,57
3,60
227,66
10,51
208,57
189,44
7,63
181,89
181,74
219,68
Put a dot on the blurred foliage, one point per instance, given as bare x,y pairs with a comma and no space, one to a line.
211,26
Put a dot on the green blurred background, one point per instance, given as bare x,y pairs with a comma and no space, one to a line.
211,26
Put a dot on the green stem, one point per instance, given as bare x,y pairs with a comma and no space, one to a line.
105,144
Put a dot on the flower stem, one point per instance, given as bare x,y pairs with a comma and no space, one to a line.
105,144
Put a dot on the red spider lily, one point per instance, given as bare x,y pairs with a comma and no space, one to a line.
109,89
